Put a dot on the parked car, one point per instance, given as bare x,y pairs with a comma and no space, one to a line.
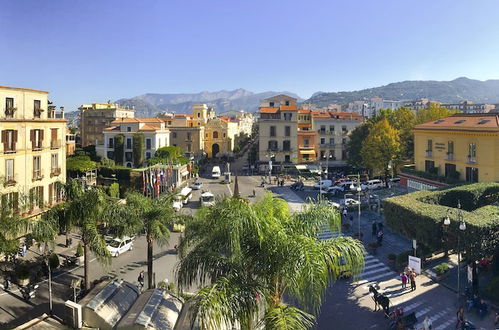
323,184
177,203
118,246
186,194
350,202
297,186
197,185
394,180
215,172
374,184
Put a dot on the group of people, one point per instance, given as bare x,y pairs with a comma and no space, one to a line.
478,304
409,275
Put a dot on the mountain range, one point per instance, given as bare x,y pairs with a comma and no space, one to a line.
148,105
453,91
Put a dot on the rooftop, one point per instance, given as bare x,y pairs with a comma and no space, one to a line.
23,89
463,122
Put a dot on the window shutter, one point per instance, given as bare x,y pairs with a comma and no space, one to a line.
54,134
14,136
4,136
41,136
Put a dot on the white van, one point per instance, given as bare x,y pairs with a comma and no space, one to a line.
207,199
374,184
186,194
177,203
215,172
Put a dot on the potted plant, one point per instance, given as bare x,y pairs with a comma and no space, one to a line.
22,274
391,258
79,254
54,261
373,246
439,272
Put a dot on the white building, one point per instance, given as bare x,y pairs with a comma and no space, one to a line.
155,132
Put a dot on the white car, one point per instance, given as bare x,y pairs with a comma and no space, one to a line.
119,245
350,202
207,199
323,184
215,172
177,203
197,185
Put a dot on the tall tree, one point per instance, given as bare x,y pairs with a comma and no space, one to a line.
85,211
381,147
404,120
433,112
252,255
154,217
354,146
138,149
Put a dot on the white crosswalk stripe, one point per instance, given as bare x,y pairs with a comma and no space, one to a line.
327,234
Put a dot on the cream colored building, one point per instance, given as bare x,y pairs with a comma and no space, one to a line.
245,120
156,135
189,139
32,149
95,117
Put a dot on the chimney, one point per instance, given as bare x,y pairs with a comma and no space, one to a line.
62,112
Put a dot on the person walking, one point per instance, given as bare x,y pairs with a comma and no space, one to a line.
404,280
460,318
380,237
140,279
345,213
412,278
374,227
23,250
427,323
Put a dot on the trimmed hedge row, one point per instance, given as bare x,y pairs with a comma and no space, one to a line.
420,216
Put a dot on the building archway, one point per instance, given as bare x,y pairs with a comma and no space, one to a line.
215,149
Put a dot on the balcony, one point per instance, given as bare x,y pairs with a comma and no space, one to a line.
9,182
9,149
55,172
429,153
450,156
37,176
55,144
326,132
471,159
9,112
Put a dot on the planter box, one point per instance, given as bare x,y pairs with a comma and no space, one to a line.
80,260
23,282
436,277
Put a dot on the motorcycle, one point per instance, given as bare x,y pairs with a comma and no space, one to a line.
29,291
69,261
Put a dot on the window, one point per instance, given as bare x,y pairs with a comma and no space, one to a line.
472,150
9,171
9,107
110,154
272,130
148,155
54,161
224,135
271,104
450,169
344,128
471,174
129,143
189,136
36,197
287,130
273,145
323,140
128,129
323,128
174,135
11,201
323,154
288,116
111,143
36,139
215,135
305,142
148,143
37,107
429,165
199,115
450,147
343,155
128,156
286,145
331,128
287,159
430,145
287,103
331,141
9,140
37,167
343,141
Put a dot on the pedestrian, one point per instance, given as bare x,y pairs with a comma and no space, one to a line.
460,318
427,323
345,213
254,193
374,228
404,280
412,278
380,237
140,279
23,250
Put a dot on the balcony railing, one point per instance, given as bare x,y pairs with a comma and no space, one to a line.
471,159
9,149
37,175
280,150
55,144
429,153
10,181
55,171
450,156
326,132
9,112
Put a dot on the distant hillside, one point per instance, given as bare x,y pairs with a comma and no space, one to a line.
148,105
443,91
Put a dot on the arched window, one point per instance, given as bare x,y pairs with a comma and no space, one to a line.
215,135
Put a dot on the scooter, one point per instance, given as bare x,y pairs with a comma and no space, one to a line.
69,261
29,291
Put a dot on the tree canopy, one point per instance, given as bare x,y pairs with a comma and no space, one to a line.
170,154
80,164
381,147
250,255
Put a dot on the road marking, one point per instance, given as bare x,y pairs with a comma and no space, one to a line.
377,270
437,316
372,265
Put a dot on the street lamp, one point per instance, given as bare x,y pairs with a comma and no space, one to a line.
359,189
462,228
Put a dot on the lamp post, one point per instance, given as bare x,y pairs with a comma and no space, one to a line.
359,189
462,227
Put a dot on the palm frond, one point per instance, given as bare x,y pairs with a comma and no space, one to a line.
284,317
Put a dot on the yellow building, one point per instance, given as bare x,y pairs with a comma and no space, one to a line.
219,135
32,150
95,117
464,143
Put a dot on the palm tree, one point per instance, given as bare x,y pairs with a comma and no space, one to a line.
85,211
253,256
152,216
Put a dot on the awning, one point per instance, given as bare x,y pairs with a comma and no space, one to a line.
184,173
307,152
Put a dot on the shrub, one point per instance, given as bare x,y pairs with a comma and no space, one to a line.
441,268
106,162
54,261
403,257
79,250
22,271
114,190
492,289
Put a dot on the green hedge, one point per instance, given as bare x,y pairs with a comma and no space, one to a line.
420,215
453,178
122,173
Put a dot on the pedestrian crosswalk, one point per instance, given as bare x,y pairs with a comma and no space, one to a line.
326,233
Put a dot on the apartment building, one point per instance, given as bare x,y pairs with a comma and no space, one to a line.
463,146
333,129
470,107
154,131
244,119
278,129
189,139
32,150
95,117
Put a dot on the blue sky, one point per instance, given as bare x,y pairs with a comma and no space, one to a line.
90,50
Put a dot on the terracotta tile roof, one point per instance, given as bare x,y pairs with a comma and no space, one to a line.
224,118
268,110
303,111
335,114
150,128
304,124
288,107
112,128
138,120
463,122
